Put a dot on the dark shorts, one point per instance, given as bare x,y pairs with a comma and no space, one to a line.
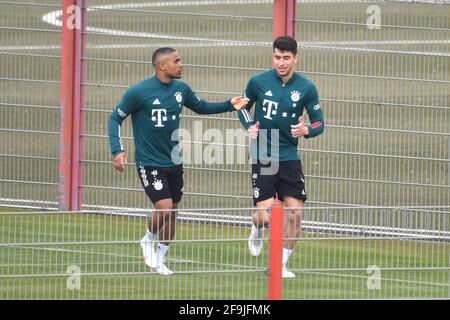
162,182
269,181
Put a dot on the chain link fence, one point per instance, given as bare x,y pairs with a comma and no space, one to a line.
382,72
381,69
342,253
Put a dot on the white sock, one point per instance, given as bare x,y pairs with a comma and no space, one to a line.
161,253
151,236
260,231
286,254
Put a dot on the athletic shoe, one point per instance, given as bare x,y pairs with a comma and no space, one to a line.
255,241
285,273
163,270
148,250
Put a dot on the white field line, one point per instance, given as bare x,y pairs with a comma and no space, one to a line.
131,45
203,42
54,18
174,260
310,226
382,278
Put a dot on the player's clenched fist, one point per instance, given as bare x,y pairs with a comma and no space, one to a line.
299,129
253,130
120,161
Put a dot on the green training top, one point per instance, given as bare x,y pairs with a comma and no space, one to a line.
279,105
155,109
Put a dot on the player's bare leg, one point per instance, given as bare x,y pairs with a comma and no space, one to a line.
260,219
162,223
164,219
291,231
149,240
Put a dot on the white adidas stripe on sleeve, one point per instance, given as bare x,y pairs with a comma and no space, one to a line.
247,116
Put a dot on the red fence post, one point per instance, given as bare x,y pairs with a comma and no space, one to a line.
71,95
78,110
276,252
279,18
66,95
291,15
284,14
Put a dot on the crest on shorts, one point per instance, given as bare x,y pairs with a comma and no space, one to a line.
295,96
256,193
157,184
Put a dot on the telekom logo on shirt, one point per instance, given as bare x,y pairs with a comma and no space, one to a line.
270,108
160,116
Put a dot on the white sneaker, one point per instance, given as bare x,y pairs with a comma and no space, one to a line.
285,273
163,270
149,253
255,241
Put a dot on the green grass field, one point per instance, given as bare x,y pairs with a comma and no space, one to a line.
211,261
385,95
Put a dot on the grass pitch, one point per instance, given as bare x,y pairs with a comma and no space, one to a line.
97,256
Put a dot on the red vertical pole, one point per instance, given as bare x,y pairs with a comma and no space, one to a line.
83,101
71,99
66,96
276,252
284,14
78,109
279,18
291,14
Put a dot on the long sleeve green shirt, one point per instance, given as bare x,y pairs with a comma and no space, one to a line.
279,105
155,109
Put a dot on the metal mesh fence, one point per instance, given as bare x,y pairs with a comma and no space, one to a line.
383,87
342,253
214,43
382,70
29,104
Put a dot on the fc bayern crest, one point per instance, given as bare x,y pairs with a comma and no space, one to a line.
157,185
295,96
178,96
256,193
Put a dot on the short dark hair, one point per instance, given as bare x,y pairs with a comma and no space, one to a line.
285,43
159,52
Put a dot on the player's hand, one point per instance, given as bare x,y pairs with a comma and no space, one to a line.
299,129
239,102
253,130
120,161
